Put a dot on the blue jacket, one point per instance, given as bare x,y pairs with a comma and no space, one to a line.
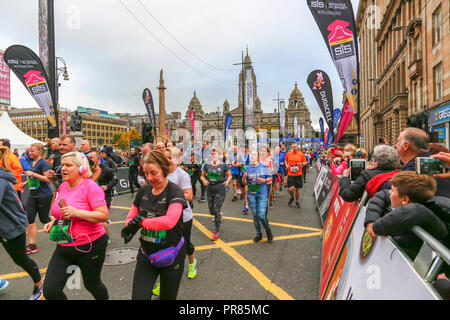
13,219
25,161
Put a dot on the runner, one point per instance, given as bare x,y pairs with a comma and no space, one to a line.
294,161
133,163
215,177
77,216
266,159
245,161
257,177
40,197
179,177
158,209
205,157
13,224
193,169
13,164
235,163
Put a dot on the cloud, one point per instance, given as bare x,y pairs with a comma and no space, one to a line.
111,57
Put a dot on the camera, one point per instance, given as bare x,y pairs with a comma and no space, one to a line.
357,166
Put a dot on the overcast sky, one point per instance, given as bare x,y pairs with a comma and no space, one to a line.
111,57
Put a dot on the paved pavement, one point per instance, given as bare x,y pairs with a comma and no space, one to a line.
233,268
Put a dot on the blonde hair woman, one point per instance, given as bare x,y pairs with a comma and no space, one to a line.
77,215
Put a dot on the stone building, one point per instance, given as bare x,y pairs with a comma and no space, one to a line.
404,56
296,108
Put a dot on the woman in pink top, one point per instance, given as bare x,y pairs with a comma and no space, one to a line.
77,215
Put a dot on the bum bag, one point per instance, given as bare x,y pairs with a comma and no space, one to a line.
165,257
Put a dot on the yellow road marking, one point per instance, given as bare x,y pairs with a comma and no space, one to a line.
19,274
254,272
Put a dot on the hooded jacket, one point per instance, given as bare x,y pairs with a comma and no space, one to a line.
13,219
433,216
353,191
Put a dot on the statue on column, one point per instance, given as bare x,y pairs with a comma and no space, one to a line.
75,122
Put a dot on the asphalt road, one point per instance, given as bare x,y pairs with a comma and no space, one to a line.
233,268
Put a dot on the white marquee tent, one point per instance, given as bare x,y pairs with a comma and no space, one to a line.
18,138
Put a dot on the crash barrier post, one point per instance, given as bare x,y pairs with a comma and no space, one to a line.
357,266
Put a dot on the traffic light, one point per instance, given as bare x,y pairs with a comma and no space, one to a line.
147,133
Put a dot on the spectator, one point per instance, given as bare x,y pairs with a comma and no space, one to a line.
16,152
110,163
385,161
413,198
25,160
361,153
413,143
14,166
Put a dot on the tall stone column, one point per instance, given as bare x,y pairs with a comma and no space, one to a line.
161,135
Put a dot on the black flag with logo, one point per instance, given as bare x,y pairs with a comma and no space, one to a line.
336,22
320,85
28,67
148,101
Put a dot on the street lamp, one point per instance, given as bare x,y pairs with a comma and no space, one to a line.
59,71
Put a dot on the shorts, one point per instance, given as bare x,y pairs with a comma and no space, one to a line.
41,206
281,174
238,178
296,181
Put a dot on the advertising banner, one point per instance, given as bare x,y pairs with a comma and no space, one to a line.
320,85
375,269
64,124
27,66
123,186
5,82
346,118
336,22
148,102
192,118
282,120
340,216
43,34
249,98
228,121
322,170
326,194
296,128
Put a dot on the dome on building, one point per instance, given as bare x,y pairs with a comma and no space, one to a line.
296,94
194,101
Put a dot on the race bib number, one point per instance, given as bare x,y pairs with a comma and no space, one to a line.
33,183
294,168
190,172
153,236
254,188
214,176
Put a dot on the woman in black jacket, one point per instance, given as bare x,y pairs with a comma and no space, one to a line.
133,163
386,160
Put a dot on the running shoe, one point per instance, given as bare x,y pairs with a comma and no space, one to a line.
269,236
257,238
38,292
215,236
234,198
3,284
270,206
32,248
273,198
157,289
192,270
297,205
245,209
290,201
202,199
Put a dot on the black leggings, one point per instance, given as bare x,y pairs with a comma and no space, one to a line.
187,228
146,273
133,180
90,265
40,206
16,250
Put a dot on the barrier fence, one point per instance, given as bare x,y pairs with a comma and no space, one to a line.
357,266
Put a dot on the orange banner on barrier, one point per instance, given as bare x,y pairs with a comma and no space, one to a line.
340,217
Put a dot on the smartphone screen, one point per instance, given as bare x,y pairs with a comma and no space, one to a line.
357,167
429,165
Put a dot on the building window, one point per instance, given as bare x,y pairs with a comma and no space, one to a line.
436,26
418,48
437,78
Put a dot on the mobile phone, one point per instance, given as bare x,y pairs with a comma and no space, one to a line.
357,166
426,165
62,203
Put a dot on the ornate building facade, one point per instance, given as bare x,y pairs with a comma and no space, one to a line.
296,108
404,66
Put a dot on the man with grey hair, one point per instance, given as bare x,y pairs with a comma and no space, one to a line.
413,143
85,147
386,164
